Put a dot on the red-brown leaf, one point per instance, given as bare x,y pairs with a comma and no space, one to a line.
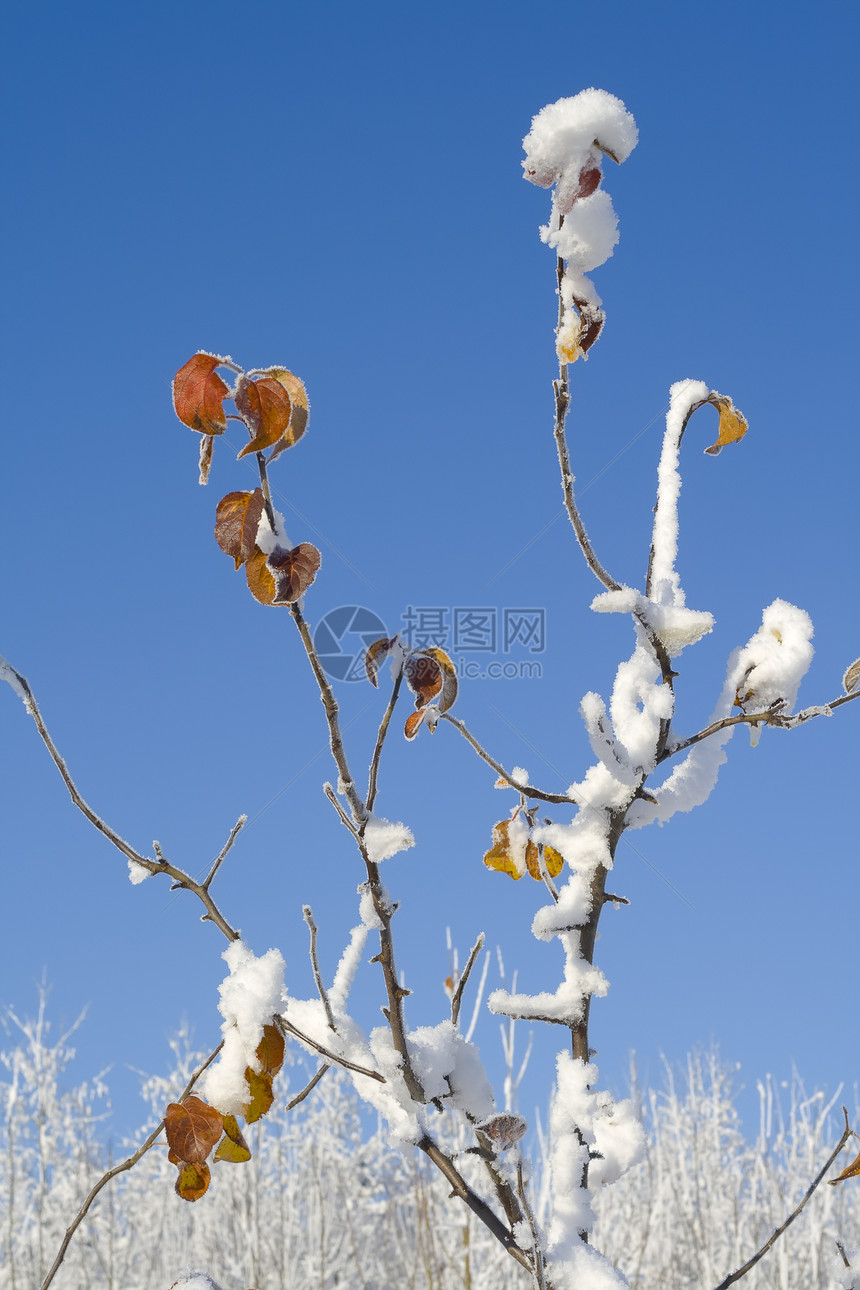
266,407
413,723
374,656
261,584
424,676
448,691
199,394
270,1050
300,413
193,1127
293,571
236,519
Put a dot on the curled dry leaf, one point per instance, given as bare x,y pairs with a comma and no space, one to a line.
448,691
423,676
261,1094
504,1130
413,723
232,1148
193,1127
552,859
300,413
266,408
261,584
499,855
207,443
270,1050
193,1181
853,1171
374,656
199,394
733,424
237,517
293,571
851,679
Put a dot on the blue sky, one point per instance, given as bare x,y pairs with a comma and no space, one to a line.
338,189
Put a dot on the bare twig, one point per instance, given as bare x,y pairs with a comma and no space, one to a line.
457,997
323,994
332,1058
181,879
526,789
127,1164
342,815
741,1272
537,1255
380,740
309,1087
768,717
234,833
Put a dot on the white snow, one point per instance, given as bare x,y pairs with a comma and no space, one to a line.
665,583
268,541
384,839
772,664
251,995
136,872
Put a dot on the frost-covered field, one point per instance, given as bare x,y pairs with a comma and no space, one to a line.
327,1202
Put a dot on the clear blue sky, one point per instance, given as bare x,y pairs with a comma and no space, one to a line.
337,188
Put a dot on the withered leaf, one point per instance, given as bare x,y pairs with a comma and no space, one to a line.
851,679
300,413
193,1181
204,464
261,584
199,394
193,1127
293,571
551,858
448,692
504,1130
499,855
423,676
266,408
413,723
374,656
261,1094
232,1148
270,1050
237,517
733,424
853,1171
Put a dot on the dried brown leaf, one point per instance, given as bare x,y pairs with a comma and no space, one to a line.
261,584
293,571
193,1181
448,692
504,1130
423,676
853,1171
237,517
374,656
265,406
204,464
199,394
300,413
413,723
270,1050
193,1127
733,424
851,679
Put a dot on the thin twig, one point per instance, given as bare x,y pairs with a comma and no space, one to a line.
308,915
380,740
234,833
332,1058
309,1087
457,998
526,789
118,1169
537,1254
741,1272
181,879
342,815
767,717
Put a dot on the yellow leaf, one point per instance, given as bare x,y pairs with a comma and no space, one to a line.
853,1171
262,1097
567,344
232,1148
499,856
193,1180
554,861
733,424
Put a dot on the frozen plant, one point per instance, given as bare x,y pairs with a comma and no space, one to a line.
644,771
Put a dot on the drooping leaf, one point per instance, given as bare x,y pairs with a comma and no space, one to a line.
293,571
851,679
413,723
551,858
270,1050
261,584
199,394
374,656
232,1148
448,692
193,1181
423,676
204,465
499,855
504,1130
266,407
853,1171
193,1127
237,517
300,413
733,424
261,1094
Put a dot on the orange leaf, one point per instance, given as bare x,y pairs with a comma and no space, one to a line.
448,693
853,1171
265,407
262,1096
499,855
193,1180
413,723
301,410
733,424
199,394
424,676
193,1127
374,656
293,571
551,858
261,584
270,1050
236,519
232,1148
